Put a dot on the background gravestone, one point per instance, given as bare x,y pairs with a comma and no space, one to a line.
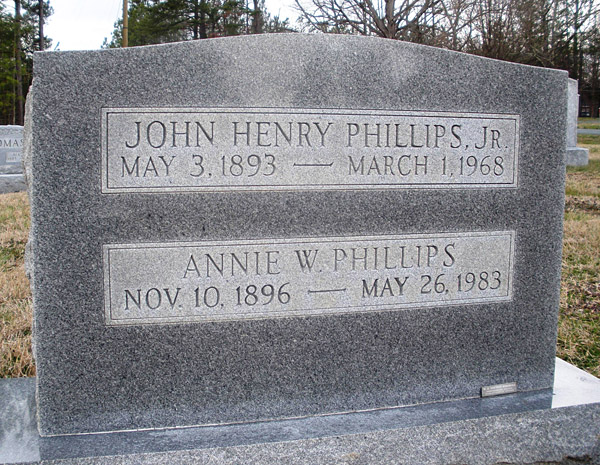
11,164
576,156
11,145
287,225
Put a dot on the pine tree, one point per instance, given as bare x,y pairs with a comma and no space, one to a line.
19,38
161,21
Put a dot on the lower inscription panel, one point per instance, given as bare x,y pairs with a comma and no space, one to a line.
234,280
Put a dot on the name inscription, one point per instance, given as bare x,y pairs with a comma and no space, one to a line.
216,149
226,280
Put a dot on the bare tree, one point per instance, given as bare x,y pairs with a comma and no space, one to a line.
258,19
455,29
392,19
552,33
579,14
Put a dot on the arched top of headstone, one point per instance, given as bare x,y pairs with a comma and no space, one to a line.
300,70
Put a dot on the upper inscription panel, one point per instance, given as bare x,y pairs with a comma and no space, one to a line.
219,149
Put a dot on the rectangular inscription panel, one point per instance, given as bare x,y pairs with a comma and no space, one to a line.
236,280
10,156
216,149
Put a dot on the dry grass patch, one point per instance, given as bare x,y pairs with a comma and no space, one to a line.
579,321
16,359
15,297
585,180
14,218
584,183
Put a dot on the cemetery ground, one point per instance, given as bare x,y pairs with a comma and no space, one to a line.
579,323
588,123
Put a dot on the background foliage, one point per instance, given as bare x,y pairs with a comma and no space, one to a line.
19,38
563,34
160,21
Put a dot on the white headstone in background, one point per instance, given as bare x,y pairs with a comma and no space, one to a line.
576,156
11,165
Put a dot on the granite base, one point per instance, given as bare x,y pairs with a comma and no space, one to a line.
12,183
529,427
577,156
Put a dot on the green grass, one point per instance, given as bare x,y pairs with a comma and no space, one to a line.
588,123
592,169
11,253
584,181
579,317
588,139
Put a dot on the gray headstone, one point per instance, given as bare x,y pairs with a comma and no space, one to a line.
277,226
576,156
12,183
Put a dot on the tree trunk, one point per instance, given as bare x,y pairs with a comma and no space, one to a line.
257,19
195,28
41,22
19,107
576,43
203,34
390,21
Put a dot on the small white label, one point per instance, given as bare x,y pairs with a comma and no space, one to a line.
498,389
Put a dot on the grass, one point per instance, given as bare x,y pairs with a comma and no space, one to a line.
588,123
584,181
15,297
588,140
579,317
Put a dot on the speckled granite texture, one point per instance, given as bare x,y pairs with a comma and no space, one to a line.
508,439
92,377
518,428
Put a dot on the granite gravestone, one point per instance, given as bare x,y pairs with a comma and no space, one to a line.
576,156
279,226
11,165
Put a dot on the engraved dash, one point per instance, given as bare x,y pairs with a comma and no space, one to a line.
318,291
329,165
